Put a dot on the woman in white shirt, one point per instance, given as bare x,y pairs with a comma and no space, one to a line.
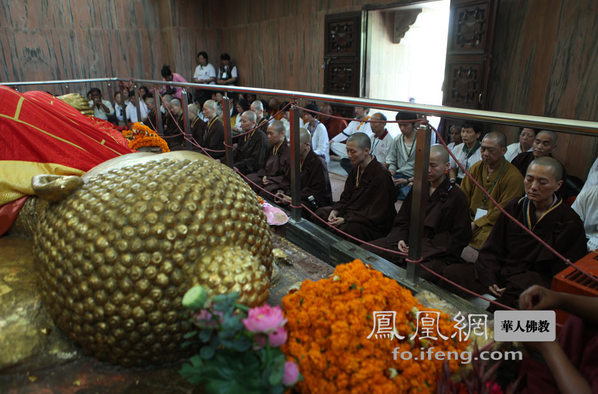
319,135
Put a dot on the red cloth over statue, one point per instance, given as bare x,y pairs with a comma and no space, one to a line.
40,134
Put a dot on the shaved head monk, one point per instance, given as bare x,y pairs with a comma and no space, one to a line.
512,260
366,207
446,230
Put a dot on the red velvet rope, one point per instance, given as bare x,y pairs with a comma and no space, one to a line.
322,220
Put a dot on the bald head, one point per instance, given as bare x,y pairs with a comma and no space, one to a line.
175,102
497,136
304,136
550,162
250,115
440,152
549,134
544,143
211,104
361,139
193,111
278,126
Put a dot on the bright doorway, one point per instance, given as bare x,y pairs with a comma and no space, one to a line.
405,54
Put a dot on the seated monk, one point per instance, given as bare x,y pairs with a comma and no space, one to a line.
499,177
315,184
250,155
543,145
173,130
210,134
366,208
276,174
511,259
447,229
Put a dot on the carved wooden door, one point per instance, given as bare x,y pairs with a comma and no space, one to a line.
342,55
468,54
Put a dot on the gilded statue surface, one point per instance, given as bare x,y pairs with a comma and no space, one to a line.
118,248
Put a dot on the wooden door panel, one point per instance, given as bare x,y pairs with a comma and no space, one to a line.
342,54
469,28
468,55
463,85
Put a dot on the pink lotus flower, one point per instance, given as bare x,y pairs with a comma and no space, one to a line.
264,319
291,373
276,338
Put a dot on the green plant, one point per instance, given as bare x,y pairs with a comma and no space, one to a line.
240,347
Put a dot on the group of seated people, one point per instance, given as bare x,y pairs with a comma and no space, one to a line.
510,259
381,168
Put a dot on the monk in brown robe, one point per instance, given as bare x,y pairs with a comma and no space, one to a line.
446,230
511,259
250,154
499,177
315,183
366,208
173,130
276,174
262,121
543,145
210,134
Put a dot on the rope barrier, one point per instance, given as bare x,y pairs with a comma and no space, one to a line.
395,252
362,242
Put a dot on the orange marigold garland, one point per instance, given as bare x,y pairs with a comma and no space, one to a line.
140,135
329,322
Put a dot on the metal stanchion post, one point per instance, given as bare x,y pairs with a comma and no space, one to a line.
186,121
228,136
111,97
295,164
158,104
418,201
137,104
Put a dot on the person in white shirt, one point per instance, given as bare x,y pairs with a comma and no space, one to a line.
131,110
468,152
227,72
204,73
455,135
286,121
526,140
119,109
319,135
381,140
401,155
586,206
101,108
337,144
